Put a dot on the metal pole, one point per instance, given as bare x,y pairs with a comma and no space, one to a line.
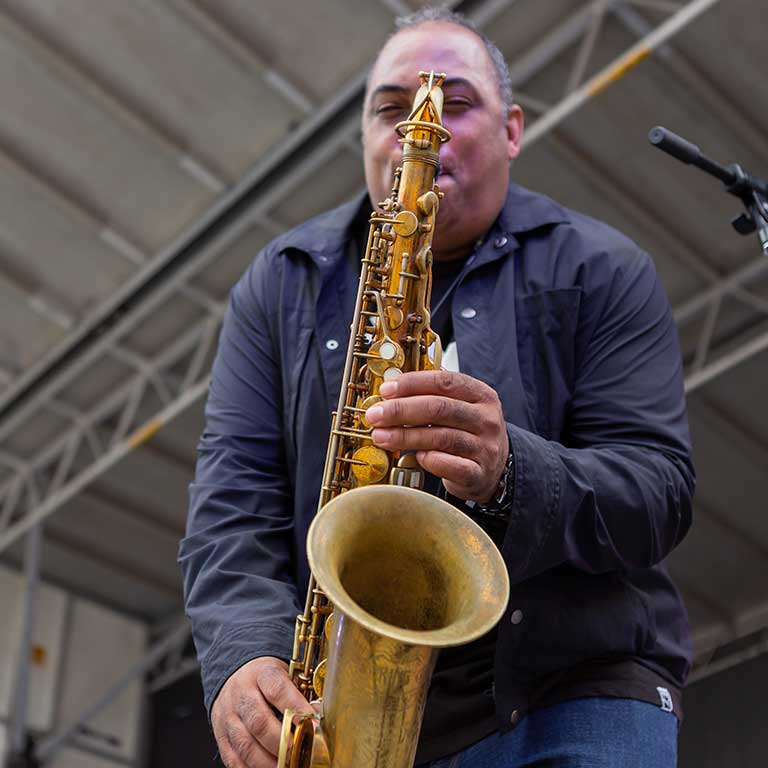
18,730
726,362
614,71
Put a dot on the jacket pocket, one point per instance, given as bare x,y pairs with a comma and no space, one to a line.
546,334
580,616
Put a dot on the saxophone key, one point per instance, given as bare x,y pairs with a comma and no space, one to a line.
385,354
391,373
407,472
371,465
369,402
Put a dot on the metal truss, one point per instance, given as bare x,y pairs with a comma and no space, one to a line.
707,363
159,389
98,438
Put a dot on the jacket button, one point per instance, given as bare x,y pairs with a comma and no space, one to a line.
468,312
331,344
500,242
517,616
514,718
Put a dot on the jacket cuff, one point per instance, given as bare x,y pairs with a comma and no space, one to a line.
536,502
238,646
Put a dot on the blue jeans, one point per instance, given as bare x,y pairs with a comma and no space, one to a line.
583,733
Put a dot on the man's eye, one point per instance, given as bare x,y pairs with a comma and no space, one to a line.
388,109
456,104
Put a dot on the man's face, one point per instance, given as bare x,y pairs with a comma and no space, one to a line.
475,162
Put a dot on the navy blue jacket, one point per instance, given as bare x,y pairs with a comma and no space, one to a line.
573,330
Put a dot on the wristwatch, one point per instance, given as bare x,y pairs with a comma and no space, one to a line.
500,504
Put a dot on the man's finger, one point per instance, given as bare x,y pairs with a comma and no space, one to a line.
420,410
250,753
453,441
260,721
278,689
462,477
446,383
228,757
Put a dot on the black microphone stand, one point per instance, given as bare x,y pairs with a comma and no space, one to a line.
752,191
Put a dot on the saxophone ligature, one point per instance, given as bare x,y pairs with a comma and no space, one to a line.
396,573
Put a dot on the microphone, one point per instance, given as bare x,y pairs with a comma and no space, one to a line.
752,191
689,153
675,145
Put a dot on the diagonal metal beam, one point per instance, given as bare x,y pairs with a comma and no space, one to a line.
616,70
739,125
740,354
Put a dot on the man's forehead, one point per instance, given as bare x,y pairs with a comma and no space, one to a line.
433,45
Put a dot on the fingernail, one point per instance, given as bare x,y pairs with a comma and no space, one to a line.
374,414
381,435
388,388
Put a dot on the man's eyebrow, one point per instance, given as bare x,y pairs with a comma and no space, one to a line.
387,88
458,81
391,88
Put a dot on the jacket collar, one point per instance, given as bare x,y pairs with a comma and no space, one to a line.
325,237
525,211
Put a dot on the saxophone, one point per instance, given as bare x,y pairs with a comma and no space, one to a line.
396,573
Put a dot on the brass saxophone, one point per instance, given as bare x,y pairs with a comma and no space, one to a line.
396,573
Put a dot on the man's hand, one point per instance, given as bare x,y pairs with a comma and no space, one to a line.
455,424
246,729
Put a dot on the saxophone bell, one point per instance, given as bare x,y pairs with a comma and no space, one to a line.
408,574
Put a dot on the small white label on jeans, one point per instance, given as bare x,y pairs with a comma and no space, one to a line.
666,699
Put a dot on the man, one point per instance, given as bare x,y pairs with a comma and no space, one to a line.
565,432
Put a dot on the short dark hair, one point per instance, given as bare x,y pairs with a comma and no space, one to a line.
503,80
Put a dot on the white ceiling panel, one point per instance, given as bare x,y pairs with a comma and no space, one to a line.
163,63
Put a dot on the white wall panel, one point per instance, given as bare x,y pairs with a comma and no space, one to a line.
75,758
46,647
10,609
102,647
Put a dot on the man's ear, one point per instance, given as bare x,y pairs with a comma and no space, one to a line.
514,125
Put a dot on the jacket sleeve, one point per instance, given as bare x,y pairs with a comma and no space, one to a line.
617,492
236,556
